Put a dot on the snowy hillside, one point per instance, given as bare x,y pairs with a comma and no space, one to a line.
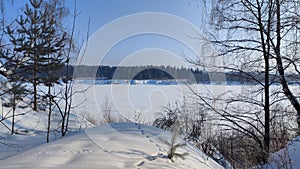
287,157
30,130
119,145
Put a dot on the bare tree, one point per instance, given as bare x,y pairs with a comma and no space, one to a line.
63,100
248,35
264,28
287,26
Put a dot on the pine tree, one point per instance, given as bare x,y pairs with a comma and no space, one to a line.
173,147
38,41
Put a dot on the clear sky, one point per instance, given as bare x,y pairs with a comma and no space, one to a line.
102,12
138,46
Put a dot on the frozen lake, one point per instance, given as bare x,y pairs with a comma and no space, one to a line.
147,101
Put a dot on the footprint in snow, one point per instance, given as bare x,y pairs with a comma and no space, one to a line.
151,158
140,163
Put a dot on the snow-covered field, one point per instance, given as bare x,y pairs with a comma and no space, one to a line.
119,145
148,100
30,130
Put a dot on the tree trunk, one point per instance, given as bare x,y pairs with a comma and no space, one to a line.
49,114
66,113
13,115
63,125
266,54
286,90
35,78
34,95
267,108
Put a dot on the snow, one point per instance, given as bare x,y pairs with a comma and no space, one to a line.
118,145
2,79
127,100
287,157
30,129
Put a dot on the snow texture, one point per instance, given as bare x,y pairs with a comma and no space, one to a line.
118,145
287,157
2,79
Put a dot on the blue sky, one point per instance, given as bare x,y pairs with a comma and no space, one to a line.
104,12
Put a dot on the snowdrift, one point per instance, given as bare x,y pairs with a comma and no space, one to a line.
288,157
118,145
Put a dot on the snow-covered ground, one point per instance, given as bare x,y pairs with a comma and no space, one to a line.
30,129
119,145
148,100
288,157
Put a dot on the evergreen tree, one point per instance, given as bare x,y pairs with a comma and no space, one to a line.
35,37
17,91
173,146
14,87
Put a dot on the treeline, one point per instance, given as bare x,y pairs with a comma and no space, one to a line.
167,73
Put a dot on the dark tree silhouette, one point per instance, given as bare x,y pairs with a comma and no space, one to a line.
36,39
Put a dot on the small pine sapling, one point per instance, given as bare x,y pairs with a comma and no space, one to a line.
173,147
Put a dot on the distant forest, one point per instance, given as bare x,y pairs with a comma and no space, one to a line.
167,73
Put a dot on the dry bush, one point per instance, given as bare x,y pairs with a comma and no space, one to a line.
220,142
282,160
89,117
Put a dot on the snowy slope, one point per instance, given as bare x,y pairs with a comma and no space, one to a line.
2,79
30,129
288,157
119,145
